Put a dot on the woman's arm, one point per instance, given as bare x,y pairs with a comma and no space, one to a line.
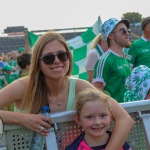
123,121
122,127
30,121
14,93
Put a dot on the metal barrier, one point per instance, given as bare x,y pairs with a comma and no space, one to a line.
19,138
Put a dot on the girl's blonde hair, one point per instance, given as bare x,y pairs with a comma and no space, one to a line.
97,40
36,91
90,94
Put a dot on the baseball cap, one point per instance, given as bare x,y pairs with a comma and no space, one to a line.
7,68
144,22
110,24
137,84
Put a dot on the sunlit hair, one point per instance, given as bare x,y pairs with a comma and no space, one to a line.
36,91
88,95
97,40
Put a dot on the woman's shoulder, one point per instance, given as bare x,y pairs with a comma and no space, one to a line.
18,85
82,84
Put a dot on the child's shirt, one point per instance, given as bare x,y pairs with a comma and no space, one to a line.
80,144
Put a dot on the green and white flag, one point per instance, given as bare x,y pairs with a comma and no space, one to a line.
79,46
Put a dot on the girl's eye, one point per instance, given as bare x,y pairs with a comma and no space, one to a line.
103,115
89,117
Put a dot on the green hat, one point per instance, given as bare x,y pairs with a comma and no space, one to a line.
137,84
7,68
21,49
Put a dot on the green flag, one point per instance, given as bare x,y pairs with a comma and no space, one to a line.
80,46
32,38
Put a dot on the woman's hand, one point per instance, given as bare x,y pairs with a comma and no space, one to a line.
36,122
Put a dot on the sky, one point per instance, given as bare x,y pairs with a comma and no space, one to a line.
58,14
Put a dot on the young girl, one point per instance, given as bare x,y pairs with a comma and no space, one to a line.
93,113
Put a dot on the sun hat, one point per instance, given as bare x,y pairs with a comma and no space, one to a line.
110,24
137,84
144,22
7,68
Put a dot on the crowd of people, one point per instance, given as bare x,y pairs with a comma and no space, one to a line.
43,77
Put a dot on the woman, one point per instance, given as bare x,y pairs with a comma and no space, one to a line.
99,47
49,83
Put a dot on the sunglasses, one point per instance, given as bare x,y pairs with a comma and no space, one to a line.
50,58
123,30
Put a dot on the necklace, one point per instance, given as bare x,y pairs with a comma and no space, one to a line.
54,101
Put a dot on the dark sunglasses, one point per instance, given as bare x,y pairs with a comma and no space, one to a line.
123,30
50,58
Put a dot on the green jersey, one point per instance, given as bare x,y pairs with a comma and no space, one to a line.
1,83
10,77
112,70
12,63
139,53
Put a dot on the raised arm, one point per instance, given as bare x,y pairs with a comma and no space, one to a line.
27,43
123,121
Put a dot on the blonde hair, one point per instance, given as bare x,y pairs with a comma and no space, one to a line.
97,40
90,94
36,91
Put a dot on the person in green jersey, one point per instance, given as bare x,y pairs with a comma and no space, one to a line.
139,51
9,75
3,81
112,68
99,46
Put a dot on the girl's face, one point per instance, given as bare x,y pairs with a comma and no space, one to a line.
95,118
58,68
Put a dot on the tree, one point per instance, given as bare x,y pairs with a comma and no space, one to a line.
133,17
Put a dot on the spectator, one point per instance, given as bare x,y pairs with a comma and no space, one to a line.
94,115
13,62
1,56
50,83
5,60
9,75
138,84
139,51
112,68
3,81
99,46
23,61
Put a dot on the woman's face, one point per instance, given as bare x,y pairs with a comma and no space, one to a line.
57,69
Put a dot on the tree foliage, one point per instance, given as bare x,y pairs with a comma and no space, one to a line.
133,17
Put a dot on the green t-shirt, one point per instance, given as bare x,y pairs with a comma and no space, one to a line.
139,53
12,63
10,77
112,70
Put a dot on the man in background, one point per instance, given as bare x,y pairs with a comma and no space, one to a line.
112,68
139,52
